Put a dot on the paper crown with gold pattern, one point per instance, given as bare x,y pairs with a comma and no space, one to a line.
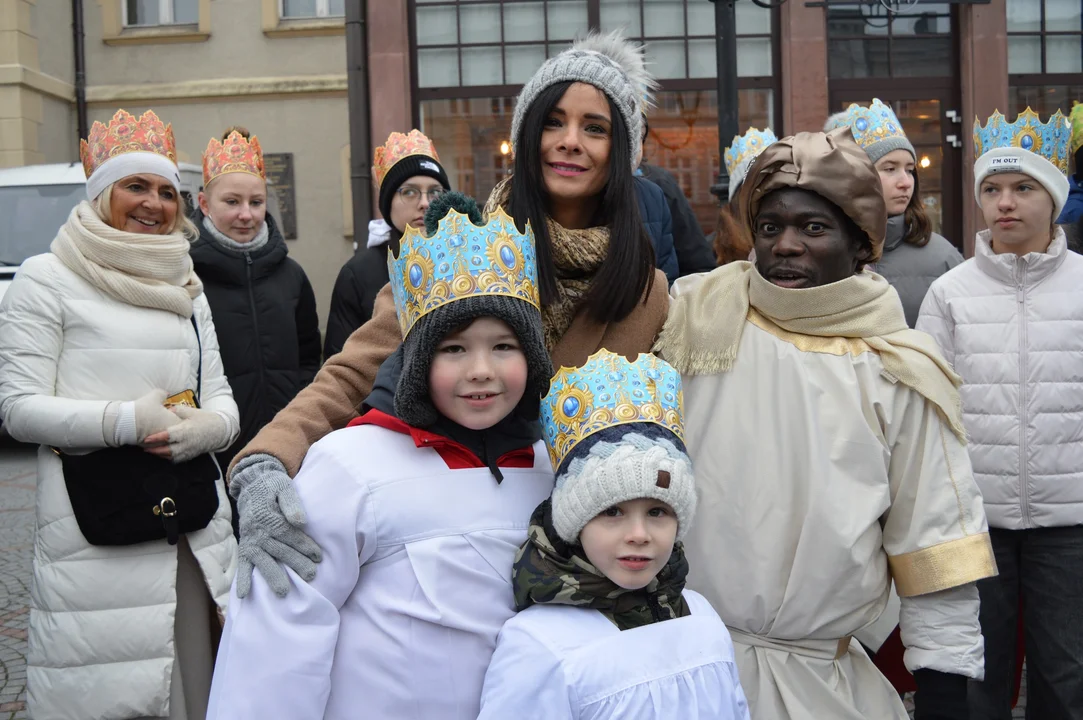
1049,140
608,391
876,129
746,147
397,147
235,155
462,260
126,146
1027,146
1075,118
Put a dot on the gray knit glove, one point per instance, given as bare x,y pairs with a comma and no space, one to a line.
272,522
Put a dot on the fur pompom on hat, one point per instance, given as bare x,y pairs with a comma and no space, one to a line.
610,63
621,463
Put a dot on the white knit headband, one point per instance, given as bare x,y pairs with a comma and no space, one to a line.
131,163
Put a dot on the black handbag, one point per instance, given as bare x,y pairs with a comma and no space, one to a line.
125,495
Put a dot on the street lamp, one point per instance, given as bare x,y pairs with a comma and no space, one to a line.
725,33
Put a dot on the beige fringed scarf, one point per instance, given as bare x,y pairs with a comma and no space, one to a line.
577,255
152,271
703,331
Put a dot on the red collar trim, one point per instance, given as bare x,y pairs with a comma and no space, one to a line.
455,455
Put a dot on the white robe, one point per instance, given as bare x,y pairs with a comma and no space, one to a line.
821,478
415,583
556,662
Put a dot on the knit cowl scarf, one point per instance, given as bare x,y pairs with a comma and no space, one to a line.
548,571
151,271
577,255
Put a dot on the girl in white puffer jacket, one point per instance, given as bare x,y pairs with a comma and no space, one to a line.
1011,321
96,333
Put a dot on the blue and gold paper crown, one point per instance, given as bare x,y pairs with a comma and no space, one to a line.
873,124
1049,140
747,146
462,260
608,391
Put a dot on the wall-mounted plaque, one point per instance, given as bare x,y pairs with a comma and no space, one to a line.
279,168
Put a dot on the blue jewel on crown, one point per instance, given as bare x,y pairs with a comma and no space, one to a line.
746,147
873,123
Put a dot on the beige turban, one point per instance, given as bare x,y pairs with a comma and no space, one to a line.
831,165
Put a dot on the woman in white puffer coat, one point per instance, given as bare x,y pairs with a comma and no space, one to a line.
96,333
1011,321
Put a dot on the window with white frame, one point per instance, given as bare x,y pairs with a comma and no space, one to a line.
148,13
292,9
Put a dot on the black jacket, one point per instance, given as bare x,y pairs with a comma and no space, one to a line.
358,283
694,253
265,317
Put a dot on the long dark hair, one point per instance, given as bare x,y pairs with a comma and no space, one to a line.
918,229
627,273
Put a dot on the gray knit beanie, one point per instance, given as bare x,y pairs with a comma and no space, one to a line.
413,404
608,62
621,463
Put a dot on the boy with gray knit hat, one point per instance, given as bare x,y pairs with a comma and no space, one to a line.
605,628
419,506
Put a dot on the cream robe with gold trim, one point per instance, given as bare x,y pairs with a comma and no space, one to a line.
820,478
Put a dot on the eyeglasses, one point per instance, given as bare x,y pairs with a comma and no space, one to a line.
412,194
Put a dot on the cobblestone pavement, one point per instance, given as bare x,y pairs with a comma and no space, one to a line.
17,482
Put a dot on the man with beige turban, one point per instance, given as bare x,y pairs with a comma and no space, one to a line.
829,452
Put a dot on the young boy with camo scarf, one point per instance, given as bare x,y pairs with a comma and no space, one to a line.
605,629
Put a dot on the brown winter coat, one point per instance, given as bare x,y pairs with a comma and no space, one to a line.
334,397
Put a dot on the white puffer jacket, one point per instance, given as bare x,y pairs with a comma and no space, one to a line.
101,619
1013,328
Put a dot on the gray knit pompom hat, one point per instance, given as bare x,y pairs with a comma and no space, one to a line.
608,62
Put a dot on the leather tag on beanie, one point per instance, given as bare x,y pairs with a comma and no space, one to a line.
663,479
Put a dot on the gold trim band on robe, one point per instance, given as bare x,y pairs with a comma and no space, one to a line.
944,566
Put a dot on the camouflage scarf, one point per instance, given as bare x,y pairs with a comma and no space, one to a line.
548,570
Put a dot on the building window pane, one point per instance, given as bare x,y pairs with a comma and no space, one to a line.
185,12
143,12
1044,99
621,15
701,58
1063,54
754,57
336,8
522,61
1024,54
921,57
701,18
858,58
684,140
663,18
751,19
437,26
524,21
567,18
470,142
298,8
1062,15
480,23
481,66
437,68
666,58
1025,16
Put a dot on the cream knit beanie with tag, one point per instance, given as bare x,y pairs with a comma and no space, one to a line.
621,463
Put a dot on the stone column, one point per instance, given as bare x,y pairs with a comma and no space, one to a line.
803,37
983,70
390,103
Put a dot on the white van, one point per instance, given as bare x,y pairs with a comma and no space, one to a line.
36,200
